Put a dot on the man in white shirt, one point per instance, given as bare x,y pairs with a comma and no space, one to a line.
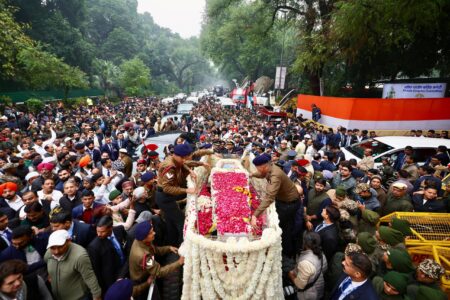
39,143
11,198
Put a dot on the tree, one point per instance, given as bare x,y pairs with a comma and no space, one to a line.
387,39
34,105
120,45
42,70
12,40
106,77
236,39
134,77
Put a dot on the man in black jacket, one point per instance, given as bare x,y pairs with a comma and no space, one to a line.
27,247
5,232
328,231
80,233
107,252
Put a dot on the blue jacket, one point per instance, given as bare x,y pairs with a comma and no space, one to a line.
327,165
434,206
39,242
399,161
82,233
77,211
365,291
316,165
437,182
114,153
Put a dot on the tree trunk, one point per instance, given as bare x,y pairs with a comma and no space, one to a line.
314,82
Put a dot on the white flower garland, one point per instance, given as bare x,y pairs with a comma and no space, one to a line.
253,266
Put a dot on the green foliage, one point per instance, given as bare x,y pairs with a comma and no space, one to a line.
106,77
134,77
119,45
34,105
5,101
42,70
74,102
84,32
234,37
12,39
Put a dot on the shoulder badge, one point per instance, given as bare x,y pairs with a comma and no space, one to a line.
166,171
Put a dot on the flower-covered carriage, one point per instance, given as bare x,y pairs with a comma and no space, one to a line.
225,258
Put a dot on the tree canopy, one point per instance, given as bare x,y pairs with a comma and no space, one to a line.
330,47
89,34
335,44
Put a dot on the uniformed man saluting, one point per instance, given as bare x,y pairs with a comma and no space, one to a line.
172,186
283,191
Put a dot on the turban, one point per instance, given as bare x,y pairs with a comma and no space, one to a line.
11,186
45,166
84,161
127,184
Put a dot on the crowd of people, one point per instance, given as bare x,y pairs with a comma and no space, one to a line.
81,219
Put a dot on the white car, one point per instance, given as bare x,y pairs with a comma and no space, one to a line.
179,116
391,146
180,96
192,99
167,100
226,102
161,140
184,108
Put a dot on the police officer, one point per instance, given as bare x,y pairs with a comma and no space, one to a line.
143,267
287,202
172,187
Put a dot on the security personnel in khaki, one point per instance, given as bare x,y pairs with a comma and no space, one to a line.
143,267
287,200
172,187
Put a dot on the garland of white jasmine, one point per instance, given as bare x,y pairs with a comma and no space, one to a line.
237,268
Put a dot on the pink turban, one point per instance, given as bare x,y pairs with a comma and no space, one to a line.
45,166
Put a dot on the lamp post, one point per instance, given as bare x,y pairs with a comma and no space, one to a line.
284,12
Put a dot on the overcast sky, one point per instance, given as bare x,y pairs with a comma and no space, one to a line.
181,16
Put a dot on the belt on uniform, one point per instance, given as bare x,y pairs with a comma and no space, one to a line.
282,202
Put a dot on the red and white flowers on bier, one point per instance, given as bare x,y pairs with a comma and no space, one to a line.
236,265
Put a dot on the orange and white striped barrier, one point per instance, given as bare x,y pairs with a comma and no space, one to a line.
379,114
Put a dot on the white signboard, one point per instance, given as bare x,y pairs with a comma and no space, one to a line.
414,90
280,77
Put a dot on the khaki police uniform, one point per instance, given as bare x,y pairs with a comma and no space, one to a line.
171,187
281,190
142,264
